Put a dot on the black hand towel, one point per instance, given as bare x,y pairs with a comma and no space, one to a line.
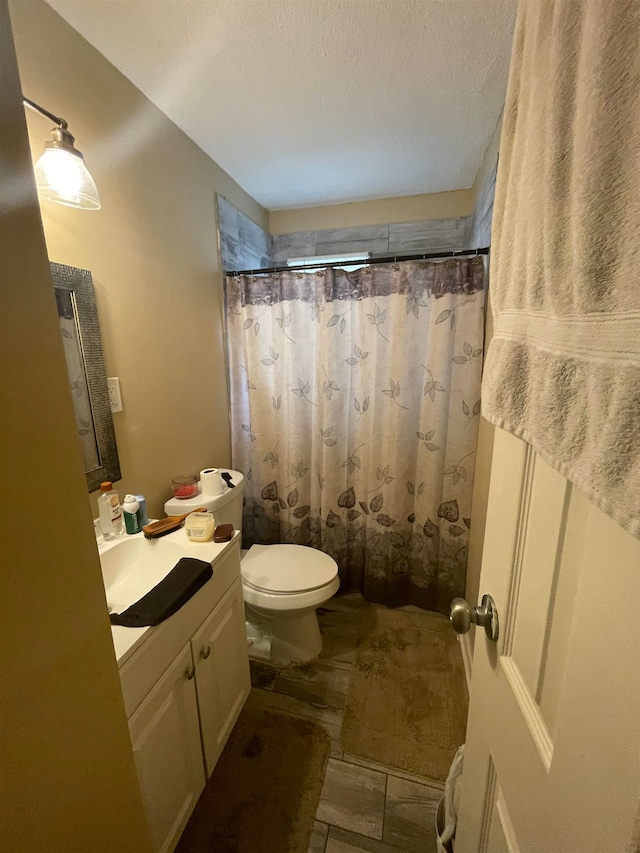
182,582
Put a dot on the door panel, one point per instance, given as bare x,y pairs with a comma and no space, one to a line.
538,573
166,745
222,677
501,838
553,738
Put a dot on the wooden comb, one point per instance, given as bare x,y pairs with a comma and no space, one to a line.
166,525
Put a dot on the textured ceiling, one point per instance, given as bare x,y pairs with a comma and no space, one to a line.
309,102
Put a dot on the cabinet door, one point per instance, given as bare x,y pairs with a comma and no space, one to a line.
166,746
222,672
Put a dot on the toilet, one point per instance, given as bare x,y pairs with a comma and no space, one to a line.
282,584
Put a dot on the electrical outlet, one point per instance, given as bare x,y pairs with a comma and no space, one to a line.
115,399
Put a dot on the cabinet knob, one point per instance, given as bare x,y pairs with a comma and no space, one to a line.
190,673
206,652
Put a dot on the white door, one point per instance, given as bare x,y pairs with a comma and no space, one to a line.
552,762
166,746
222,672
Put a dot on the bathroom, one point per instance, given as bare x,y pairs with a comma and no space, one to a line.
156,262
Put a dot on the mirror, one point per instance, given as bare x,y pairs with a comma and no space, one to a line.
83,351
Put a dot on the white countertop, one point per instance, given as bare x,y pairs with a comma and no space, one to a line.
127,640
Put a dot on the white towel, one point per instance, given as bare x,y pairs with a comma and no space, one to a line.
451,802
563,368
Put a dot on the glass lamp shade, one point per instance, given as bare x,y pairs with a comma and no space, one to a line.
63,177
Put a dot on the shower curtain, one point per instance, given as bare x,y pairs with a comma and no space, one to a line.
355,399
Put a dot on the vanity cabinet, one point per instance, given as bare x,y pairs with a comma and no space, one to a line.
184,688
222,673
165,736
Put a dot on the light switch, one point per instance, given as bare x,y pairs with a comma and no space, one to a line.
115,399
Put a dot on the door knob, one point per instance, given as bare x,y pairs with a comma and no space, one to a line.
189,674
206,652
485,615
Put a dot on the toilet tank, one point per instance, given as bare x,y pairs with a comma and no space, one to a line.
226,508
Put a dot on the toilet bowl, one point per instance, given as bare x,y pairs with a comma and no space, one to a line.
284,584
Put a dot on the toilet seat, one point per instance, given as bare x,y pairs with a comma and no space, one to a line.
287,569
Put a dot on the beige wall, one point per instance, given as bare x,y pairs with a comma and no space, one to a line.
152,250
375,212
69,782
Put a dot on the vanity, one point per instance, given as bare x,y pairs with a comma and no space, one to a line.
184,681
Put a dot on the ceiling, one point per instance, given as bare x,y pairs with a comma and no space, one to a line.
312,102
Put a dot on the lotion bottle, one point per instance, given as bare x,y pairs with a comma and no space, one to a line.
111,520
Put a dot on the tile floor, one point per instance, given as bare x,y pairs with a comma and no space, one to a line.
364,806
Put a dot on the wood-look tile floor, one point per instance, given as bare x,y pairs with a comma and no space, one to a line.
364,807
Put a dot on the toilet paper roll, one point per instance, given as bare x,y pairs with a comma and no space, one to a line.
211,482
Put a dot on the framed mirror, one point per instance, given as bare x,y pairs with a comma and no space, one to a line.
83,351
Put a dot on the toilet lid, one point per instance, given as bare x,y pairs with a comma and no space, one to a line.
287,568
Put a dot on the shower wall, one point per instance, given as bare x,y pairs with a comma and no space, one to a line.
243,244
480,225
400,238
420,235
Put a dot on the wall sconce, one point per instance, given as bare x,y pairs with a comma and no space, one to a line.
61,175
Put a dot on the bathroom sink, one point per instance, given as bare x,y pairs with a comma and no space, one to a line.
133,566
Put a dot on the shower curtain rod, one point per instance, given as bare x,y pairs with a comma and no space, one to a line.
387,259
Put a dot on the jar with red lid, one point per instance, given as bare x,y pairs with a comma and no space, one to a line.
184,486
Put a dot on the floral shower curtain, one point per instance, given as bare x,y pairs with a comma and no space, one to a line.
355,399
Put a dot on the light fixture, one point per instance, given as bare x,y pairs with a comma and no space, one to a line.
61,175
318,260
